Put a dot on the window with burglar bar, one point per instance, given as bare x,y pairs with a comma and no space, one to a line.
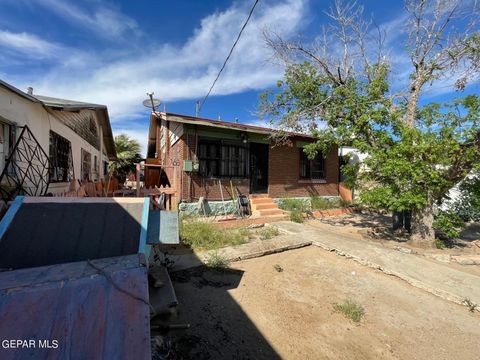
312,169
86,165
61,161
219,159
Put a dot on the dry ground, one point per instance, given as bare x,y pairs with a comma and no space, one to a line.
255,312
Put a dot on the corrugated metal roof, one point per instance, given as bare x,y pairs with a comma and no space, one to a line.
73,105
65,103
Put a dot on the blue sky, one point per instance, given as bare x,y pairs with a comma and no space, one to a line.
113,52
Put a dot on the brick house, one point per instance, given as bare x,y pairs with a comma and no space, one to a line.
197,155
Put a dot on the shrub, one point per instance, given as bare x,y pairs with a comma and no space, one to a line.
449,223
345,203
468,205
268,232
204,235
320,203
350,309
296,216
440,244
293,204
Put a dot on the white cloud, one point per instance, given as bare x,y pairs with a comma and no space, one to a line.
106,21
177,72
28,44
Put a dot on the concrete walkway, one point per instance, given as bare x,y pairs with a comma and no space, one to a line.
436,278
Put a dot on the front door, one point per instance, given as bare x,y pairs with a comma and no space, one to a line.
258,168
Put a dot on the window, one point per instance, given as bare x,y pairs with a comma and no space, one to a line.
93,126
105,168
86,165
61,162
312,169
95,167
219,159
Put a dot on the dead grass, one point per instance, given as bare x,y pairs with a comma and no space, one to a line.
268,232
203,235
216,261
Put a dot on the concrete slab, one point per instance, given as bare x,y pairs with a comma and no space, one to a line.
437,278
241,252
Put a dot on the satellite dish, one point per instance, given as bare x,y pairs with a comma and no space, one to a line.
151,102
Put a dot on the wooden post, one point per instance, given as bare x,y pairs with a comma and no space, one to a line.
138,168
175,187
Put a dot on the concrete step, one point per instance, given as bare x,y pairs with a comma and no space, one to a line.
261,201
266,206
256,196
269,212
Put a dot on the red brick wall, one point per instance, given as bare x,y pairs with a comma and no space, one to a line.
284,174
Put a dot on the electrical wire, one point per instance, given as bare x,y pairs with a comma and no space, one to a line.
229,54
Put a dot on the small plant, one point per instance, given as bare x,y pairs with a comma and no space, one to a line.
320,203
297,216
277,268
440,244
345,203
470,304
293,205
350,309
268,232
216,261
204,235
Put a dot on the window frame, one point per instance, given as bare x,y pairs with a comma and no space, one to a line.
229,159
83,162
67,170
310,165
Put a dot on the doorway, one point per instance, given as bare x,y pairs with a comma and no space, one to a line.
258,168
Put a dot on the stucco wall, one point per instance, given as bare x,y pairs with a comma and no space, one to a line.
20,111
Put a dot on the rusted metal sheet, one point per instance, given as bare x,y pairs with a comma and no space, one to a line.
85,310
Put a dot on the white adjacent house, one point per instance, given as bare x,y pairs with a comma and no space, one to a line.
46,142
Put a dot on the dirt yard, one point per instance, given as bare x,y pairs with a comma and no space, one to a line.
253,311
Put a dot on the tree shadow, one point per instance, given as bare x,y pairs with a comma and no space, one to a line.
219,328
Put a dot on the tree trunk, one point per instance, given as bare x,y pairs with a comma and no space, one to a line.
422,234
412,103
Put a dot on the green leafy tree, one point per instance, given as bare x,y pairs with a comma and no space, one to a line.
339,90
468,204
128,154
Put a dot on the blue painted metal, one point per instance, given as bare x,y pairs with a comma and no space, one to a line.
8,217
94,309
169,232
142,244
163,228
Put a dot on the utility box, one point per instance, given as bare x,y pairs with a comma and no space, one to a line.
187,165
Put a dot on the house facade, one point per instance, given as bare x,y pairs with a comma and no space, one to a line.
49,142
209,158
